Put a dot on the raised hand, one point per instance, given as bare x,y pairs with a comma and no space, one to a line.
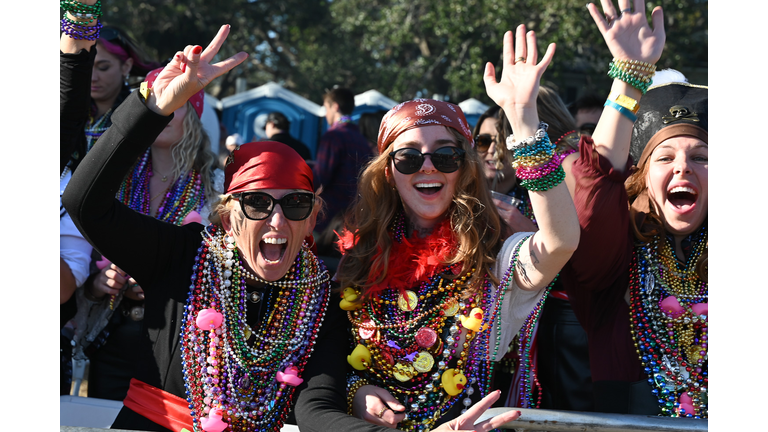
520,75
627,33
466,421
189,72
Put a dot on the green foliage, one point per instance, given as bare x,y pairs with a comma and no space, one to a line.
403,48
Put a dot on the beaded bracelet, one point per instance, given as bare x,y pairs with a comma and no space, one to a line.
527,173
625,112
544,183
539,171
540,133
76,6
81,32
636,73
354,383
534,161
636,66
80,13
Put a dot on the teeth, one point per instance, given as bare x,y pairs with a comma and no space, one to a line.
272,240
682,189
427,185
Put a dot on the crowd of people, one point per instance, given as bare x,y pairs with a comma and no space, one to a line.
411,277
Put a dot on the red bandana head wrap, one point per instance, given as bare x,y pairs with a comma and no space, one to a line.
266,165
196,100
418,113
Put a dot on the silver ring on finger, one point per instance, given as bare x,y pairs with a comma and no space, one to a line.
519,59
627,10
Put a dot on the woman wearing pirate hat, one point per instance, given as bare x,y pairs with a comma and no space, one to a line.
638,281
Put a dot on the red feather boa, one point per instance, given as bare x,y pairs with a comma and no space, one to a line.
411,262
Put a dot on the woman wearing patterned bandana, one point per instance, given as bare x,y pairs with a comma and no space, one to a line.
431,290
233,310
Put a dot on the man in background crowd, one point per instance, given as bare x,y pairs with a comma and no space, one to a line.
277,129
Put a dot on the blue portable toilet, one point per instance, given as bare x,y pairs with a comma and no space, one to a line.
210,121
371,101
366,102
246,114
473,109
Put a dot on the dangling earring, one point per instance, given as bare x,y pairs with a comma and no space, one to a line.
230,242
128,75
306,246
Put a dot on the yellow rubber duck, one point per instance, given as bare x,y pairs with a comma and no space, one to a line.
359,355
453,383
349,300
473,321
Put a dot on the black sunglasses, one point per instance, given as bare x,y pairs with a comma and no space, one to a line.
483,143
445,159
259,205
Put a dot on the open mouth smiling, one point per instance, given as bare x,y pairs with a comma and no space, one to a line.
682,197
430,188
272,249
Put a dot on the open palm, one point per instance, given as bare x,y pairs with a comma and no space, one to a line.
466,421
520,75
627,33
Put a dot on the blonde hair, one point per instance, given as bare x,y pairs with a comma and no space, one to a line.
472,215
194,152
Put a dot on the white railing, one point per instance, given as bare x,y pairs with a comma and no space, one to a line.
81,414
561,421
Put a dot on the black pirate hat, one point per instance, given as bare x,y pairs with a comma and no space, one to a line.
666,111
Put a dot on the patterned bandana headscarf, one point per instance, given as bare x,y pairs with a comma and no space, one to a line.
196,100
266,165
418,113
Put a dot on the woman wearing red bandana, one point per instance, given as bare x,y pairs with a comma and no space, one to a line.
233,309
431,290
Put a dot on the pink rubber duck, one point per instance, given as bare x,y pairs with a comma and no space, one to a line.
213,423
671,307
701,309
192,216
687,404
290,376
208,319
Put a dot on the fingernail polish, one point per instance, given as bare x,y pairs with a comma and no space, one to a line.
197,50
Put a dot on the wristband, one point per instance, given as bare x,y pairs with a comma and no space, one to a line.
625,101
627,113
